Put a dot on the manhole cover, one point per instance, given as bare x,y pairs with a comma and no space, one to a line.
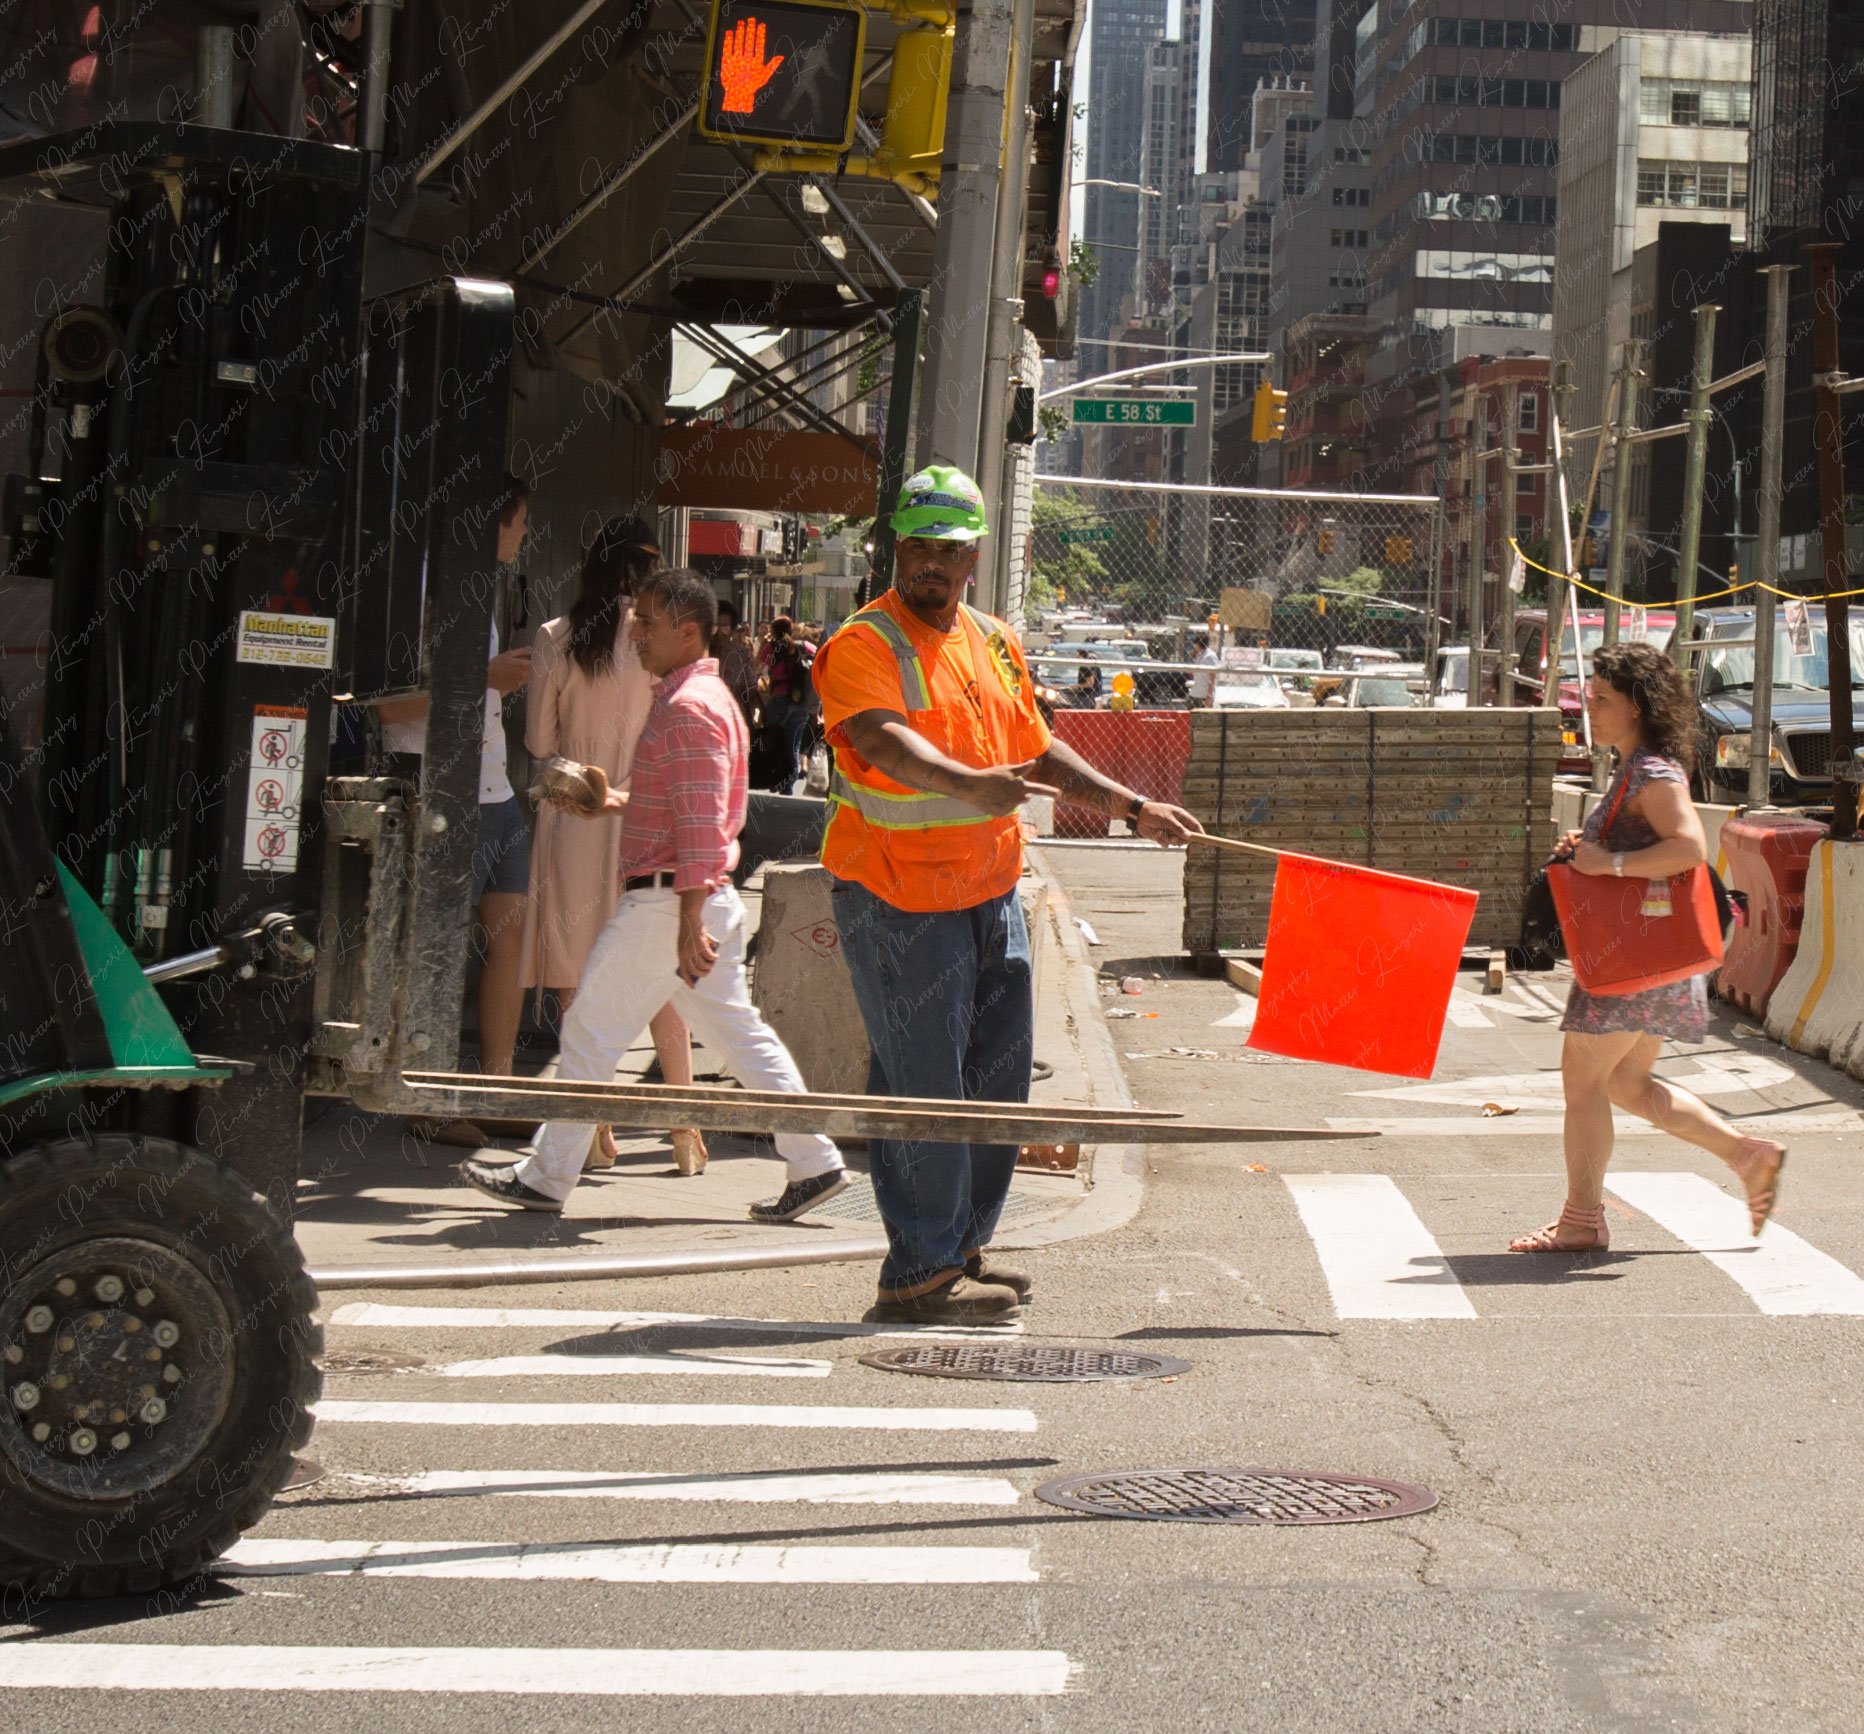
1238,1496
1041,1362
369,1361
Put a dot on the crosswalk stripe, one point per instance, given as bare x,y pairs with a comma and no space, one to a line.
605,1673
604,1366
534,1562
1465,1014
674,1415
1471,1125
377,1313
1379,1259
1780,1273
752,1489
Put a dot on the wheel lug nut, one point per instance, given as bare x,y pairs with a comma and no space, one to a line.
119,1442
66,1287
39,1320
108,1288
172,1373
154,1411
58,1381
25,1395
166,1332
152,1354
144,1296
95,1321
67,1344
131,1325
41,1432
83,1442
14,1354
119,1414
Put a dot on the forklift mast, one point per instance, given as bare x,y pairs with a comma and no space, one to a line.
255,497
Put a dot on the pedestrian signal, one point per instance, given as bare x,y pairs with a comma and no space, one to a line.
1397,550
782,72
1324,542
1271,414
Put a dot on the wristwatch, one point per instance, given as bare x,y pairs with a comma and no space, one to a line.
1133,812
1618,864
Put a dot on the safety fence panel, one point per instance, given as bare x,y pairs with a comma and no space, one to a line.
1303,600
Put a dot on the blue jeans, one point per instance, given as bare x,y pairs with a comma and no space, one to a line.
949,1005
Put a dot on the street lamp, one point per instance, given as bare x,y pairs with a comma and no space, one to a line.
1139,231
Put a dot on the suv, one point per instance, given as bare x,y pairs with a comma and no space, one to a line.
1530,681
1801,769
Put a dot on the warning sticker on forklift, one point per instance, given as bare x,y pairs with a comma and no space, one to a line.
293,640
274,781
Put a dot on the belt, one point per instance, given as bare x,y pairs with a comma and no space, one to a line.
648,882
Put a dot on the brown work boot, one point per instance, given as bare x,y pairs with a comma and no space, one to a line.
962,1301
981,1269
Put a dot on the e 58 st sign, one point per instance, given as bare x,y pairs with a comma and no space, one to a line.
783,72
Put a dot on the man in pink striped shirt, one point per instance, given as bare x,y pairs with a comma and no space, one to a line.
677,934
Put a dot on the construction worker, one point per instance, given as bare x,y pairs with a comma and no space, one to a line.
931,709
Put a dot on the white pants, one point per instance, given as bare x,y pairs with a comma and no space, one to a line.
633,970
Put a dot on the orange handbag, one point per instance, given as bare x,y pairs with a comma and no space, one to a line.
1627,935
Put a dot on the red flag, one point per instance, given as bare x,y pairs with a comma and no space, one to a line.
1359,967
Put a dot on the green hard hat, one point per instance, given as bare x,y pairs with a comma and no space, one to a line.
942,504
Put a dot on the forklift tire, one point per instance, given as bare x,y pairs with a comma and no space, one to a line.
160,1360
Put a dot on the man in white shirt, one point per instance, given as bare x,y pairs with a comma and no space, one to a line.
501,865
1202,687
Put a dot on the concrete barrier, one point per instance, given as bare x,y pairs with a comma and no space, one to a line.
1818,1008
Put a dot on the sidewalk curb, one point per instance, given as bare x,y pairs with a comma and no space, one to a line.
1118,1188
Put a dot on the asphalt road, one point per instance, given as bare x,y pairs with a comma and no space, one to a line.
1647,1462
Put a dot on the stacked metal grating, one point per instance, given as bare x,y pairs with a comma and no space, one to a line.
1461,797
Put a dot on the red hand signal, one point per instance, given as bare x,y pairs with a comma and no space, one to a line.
742,68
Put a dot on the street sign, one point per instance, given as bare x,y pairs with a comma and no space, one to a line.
1136,411
1092,533
1375,612
782,72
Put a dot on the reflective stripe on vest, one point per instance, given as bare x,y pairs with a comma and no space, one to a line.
903,810
907,810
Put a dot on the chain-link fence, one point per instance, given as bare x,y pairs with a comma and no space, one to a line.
1317,599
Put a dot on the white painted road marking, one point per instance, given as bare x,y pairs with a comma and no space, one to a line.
535,1562
375,1313
1716,1074
1471,1125
604,1366
755,1489
1378,1257
1465,1014
674,1415
604,1673
1781,1273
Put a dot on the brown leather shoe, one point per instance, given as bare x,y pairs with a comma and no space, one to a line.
962,1301
981,1269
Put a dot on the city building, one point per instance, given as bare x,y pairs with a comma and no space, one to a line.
1654,131
1124,33
1323,370
1252,43
1319,244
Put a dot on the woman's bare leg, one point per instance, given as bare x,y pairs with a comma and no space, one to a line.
1586,1065
1755,1160
673,1042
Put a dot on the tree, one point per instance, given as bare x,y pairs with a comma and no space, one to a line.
1071,569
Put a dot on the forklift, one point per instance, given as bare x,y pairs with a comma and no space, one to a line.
259,499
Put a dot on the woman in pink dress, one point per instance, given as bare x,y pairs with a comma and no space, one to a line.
589,698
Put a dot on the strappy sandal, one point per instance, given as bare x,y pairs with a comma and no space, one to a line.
1571,1216
1760,1200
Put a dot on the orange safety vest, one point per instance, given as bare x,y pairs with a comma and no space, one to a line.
914,849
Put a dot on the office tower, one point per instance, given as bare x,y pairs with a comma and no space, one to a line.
1467,117
1251,41
1124,32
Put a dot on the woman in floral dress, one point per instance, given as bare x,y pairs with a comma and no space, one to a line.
1644,828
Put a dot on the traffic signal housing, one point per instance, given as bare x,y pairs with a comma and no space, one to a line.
1324,542
1397,550
1270,419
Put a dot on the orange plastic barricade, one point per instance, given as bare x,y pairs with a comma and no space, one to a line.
1767,856
1147,750
1359,966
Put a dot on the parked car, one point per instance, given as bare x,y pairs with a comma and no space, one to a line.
1800,772
1248,689
1394,686
1530,680
1353,657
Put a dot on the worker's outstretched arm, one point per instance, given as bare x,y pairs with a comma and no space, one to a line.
893,746
1083,786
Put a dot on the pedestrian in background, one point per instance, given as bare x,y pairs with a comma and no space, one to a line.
737,660
589,700
1643,828
786,662
932,712
678,929
1202,688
